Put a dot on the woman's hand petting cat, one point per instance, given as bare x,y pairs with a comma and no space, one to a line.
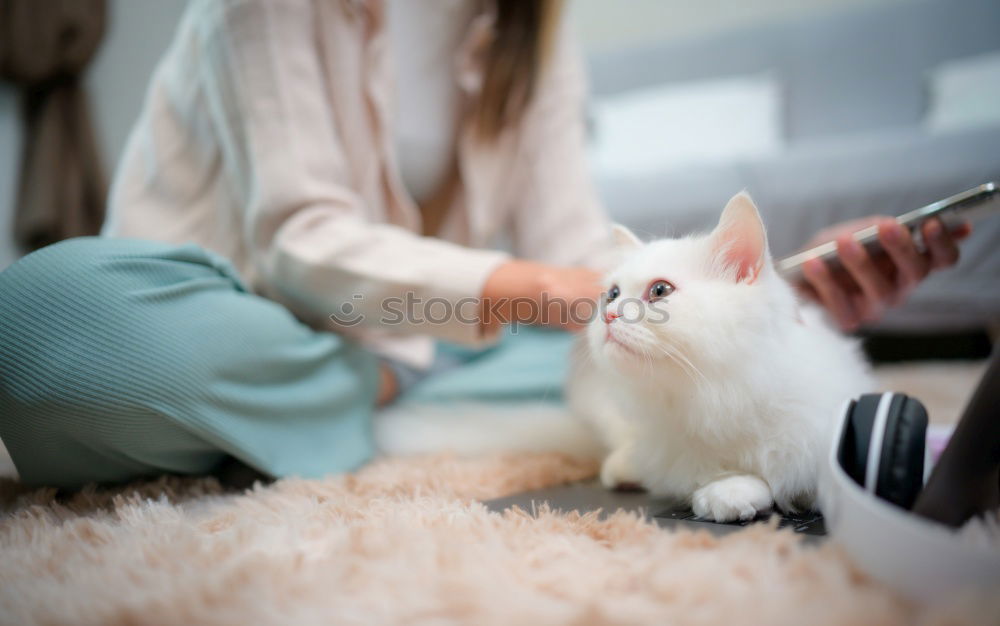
869,284
543,295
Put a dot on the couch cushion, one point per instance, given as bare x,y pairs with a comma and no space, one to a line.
850,70
964,93
691,123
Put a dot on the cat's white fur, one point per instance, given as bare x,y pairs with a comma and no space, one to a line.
729,401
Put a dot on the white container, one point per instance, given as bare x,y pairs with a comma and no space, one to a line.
926,561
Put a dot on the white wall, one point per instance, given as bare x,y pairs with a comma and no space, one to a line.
10,150
140,31
604,24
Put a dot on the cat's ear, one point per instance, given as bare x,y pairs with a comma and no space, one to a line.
623,238
739,240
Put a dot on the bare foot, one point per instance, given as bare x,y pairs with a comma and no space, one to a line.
388,386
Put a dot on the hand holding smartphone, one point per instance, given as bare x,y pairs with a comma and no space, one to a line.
952,211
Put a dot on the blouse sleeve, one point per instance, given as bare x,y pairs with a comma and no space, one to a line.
558,217
304,225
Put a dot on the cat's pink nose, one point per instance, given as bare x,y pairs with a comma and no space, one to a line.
610,317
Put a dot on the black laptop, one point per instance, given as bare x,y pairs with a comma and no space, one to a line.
592,496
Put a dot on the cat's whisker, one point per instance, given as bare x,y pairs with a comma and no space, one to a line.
647,360
695,369
684,362
680,363
680,355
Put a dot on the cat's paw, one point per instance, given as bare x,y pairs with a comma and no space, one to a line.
732,498
618,471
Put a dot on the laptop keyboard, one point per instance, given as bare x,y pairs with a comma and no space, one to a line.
806,522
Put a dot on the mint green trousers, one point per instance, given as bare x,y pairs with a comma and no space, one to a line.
122,359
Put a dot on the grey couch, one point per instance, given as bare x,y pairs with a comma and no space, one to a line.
855,92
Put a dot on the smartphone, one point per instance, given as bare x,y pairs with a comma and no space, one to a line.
952,211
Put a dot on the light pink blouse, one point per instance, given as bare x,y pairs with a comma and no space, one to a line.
265,136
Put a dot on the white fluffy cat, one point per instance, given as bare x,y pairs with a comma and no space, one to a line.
707,379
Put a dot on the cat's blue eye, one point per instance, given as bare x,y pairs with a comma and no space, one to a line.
614,292
659,289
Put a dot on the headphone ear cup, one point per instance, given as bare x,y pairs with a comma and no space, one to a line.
901,470
857,435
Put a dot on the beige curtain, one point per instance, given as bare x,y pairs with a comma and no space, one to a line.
45,45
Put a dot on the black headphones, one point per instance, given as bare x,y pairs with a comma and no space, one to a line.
882,445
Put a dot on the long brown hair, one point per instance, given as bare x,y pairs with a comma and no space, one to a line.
525,31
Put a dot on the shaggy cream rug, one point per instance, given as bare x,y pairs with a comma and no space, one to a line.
405,541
